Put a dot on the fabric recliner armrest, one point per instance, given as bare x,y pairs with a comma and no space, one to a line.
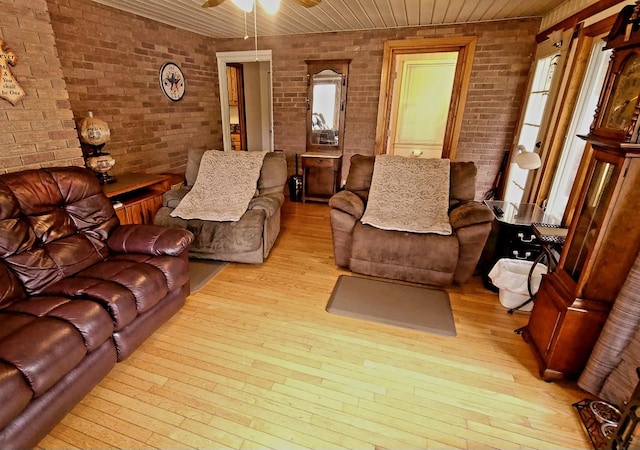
149,240
470,213
267,202
348,202
172,197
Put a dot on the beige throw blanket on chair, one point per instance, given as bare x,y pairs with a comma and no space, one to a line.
409,194
225,185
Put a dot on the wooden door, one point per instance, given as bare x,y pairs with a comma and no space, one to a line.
420,103
464,47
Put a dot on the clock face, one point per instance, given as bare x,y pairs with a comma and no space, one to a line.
172,81
624,96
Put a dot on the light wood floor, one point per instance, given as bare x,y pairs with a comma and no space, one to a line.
254,361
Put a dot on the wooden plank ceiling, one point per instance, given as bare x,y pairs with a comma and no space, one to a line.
227,21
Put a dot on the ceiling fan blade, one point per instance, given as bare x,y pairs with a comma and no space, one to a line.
307,3
212,3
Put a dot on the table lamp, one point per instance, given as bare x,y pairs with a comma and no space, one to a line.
95,133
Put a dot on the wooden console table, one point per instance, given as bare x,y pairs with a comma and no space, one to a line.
137,197
321,174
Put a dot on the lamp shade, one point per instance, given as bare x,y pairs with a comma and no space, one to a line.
93,131
527,160
245,5
270,6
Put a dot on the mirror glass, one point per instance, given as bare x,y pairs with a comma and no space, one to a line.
326,104
326,101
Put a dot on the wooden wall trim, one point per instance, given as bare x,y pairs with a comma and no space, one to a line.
572,21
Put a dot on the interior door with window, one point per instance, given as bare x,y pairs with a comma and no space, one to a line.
420,104
423,91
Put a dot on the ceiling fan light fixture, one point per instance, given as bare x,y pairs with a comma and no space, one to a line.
245,5
270,6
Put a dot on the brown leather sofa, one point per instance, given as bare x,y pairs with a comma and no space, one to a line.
431,259
78,292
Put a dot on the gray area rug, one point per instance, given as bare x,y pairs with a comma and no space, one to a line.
401,305
201,271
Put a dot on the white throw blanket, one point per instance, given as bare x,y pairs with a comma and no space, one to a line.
409,194
225,185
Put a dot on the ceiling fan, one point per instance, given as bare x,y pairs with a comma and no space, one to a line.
269,5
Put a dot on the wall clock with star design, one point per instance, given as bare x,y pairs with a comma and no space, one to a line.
172,81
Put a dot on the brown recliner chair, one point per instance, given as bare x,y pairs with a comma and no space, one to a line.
426,258
250,239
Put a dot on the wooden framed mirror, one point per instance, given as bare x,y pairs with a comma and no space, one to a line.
326,104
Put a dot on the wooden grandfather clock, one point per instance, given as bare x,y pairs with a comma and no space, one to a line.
603,240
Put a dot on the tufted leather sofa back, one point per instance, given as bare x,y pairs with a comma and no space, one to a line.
53,223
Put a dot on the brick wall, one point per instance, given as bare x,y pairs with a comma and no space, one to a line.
39,130
503,57
111,59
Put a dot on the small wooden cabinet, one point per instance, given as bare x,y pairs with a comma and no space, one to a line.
232,85
235,141
137,196
321,174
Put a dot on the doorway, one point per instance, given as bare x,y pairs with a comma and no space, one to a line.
237,117
257,98
407,84
421,76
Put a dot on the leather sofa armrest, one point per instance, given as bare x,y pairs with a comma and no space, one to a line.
470,213
348,202
267,202
149,240
172,197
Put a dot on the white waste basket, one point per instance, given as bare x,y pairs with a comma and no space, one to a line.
511,276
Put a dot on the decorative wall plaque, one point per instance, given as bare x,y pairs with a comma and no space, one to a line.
10,90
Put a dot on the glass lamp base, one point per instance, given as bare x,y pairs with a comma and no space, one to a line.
105,178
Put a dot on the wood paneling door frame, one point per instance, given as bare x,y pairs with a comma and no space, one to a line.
465,46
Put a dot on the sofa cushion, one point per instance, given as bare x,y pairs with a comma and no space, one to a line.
463,181
426,251
116,299
126,285
43,349
273,175
54,223
194,156
242,236
360,174
15,393
88,318
10,288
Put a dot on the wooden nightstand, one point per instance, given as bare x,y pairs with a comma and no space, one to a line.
321,174
137,196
